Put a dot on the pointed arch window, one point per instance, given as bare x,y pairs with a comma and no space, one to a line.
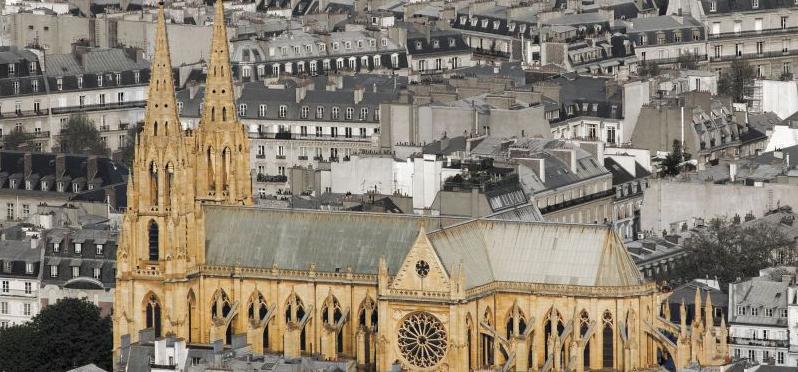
331,314
486,341
152,239
367,316
608,337
516,322
152,314
221,306
257,313
168,183
153,184
294,313
584,326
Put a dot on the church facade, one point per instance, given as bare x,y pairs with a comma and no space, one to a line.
198,262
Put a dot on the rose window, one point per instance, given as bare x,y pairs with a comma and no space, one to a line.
422,340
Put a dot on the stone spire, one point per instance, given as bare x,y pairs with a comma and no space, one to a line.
219,106
709,318
160,118
697,308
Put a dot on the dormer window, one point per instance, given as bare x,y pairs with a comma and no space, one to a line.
755,4
78,248
44,186
118,78
522,28
33,67
496,25
75,187
385,41
12,69
322,47
296,49
511,26
436,43
99,80
80,82
348,45
308,48
474,21
484,23
360,43
713,6
12,184
60,187
136,77
35,86
335,45
16,87
59,83
452,42
28,185
463,20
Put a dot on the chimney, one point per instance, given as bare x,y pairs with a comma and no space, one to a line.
34,242
567,156
28,163
193,89
539,167
358,93
301,91
732,171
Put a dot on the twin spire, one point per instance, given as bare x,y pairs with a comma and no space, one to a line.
219,105
161,117
161,113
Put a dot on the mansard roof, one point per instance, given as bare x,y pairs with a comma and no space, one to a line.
490,250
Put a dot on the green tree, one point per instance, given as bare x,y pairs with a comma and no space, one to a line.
17,140
65,335
126,153
729,251
672,165
736,80
79,136
18,345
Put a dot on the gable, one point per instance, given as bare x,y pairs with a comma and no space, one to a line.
422,269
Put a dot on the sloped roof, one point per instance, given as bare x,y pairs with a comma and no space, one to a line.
490,250
549,253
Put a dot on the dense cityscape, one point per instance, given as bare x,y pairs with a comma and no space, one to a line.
398,185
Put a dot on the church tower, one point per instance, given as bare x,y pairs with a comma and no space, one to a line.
222,146
158,228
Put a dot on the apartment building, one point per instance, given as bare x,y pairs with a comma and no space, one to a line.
762,317
299,53
665,39
759,31
19,280
500,33
437,51
107,85
305,123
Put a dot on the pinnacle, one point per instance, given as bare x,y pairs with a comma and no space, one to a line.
161,107
219,97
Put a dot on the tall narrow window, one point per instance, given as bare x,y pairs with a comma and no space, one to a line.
152,234
153,315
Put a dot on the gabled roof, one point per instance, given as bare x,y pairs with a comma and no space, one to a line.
490,250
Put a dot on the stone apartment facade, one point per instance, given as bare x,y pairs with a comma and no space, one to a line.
19,280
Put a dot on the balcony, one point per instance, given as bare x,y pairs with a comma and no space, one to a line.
754,55
271,179
260,156
280,157
577,201
303,157
663,61
98,107
490,53
759,342
22,114
18,293
752,33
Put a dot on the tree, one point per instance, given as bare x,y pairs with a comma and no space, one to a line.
648,69
65,335
17,140
688,61
735,81
126,153
672,165
17,346
79,136
729,251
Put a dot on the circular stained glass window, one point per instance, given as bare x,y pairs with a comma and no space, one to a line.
422,340
422,268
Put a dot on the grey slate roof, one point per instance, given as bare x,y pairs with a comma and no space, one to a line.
490,250
93,62
661,23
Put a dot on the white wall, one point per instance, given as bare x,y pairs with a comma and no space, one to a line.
635,95
780,97
782,136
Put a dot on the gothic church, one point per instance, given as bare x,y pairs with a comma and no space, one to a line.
198,262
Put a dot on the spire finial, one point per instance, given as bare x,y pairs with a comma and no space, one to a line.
160,117
219,98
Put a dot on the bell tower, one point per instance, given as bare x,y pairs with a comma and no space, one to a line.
157,232
222,146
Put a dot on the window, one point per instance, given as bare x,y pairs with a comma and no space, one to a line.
75,271
99,80
262,110
304,112
78,248
740,310
755,4
785,45
760,47
246,71
333,132
16,87
718,50
283,111
56,247
242,109
738,27
120,97
362,132
350,112
28,288
96,273
377,113
26,309
319,112
6,287
59,83
783,23
784,313
713,6
364,113
35,86
3,308
348,132
118,78
99,249
303,130
780,357
768,312
758,25
28,268
9,211
677,36
54,271
136,77
751,355
12,68
335,112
